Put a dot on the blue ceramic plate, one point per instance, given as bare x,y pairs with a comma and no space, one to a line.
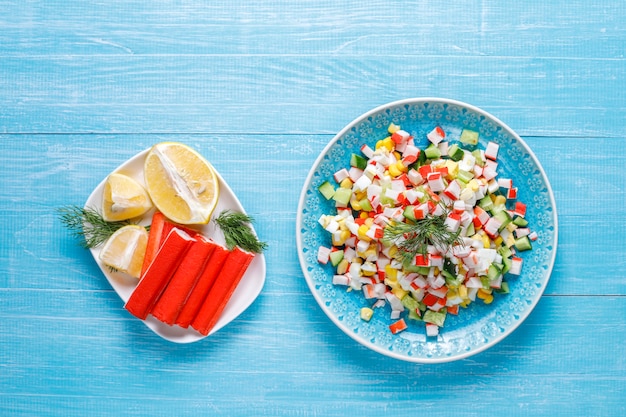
477,327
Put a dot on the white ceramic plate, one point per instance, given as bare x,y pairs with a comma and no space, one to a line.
247,291
477,327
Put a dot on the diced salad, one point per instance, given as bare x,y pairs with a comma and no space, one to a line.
451,186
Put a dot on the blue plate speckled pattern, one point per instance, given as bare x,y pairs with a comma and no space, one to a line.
477,327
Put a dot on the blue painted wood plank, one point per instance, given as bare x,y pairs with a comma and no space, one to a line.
504,29
279,94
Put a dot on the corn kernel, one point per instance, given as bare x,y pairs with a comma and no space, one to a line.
362,233
486,241
343,236
356,206
473,185
462,290
393,128
488,299
391,273
453,168
499,200
346,183
342,267
366,313
363,215
498,241
399,292
394,171
388,143
483,293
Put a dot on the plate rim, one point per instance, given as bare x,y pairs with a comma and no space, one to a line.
178,334
303,263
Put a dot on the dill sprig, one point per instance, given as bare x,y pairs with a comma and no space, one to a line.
413,238
237,231
88,225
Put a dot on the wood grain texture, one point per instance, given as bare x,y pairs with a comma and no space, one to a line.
259,88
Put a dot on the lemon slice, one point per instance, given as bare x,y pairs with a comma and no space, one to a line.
125,249
182,184
123,198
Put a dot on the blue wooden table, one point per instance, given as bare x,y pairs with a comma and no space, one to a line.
259,88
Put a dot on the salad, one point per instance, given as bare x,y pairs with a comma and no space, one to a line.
426,231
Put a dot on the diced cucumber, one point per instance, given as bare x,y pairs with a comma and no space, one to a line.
504,217
455,153
365,204
327,190
409,302
409,212
464,176
493,272
523,243
335,257
486,203
478,154
520,221
435,317
469,137
358,161
432,152
414,316
342,196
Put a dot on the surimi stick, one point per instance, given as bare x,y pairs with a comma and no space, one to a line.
159,272
201,290
183,281
221,291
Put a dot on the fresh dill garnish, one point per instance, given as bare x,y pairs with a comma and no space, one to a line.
413,238
237,231
87,224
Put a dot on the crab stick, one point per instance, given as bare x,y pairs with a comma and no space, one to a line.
221,291
158,274
201,290
159,229
183,281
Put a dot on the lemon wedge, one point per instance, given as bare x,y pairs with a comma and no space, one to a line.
124,198
181,183
125,249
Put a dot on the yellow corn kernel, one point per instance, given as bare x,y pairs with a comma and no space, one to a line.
483,293
393,251
393,128
453,168
343,236
488,299
394,171
486,241
452,293
391,273
462,290
399,292
364,215
499,200
388,143
498,241
369,221
362,233
346,183
366,313
401,167
342,266
473,185
356,206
